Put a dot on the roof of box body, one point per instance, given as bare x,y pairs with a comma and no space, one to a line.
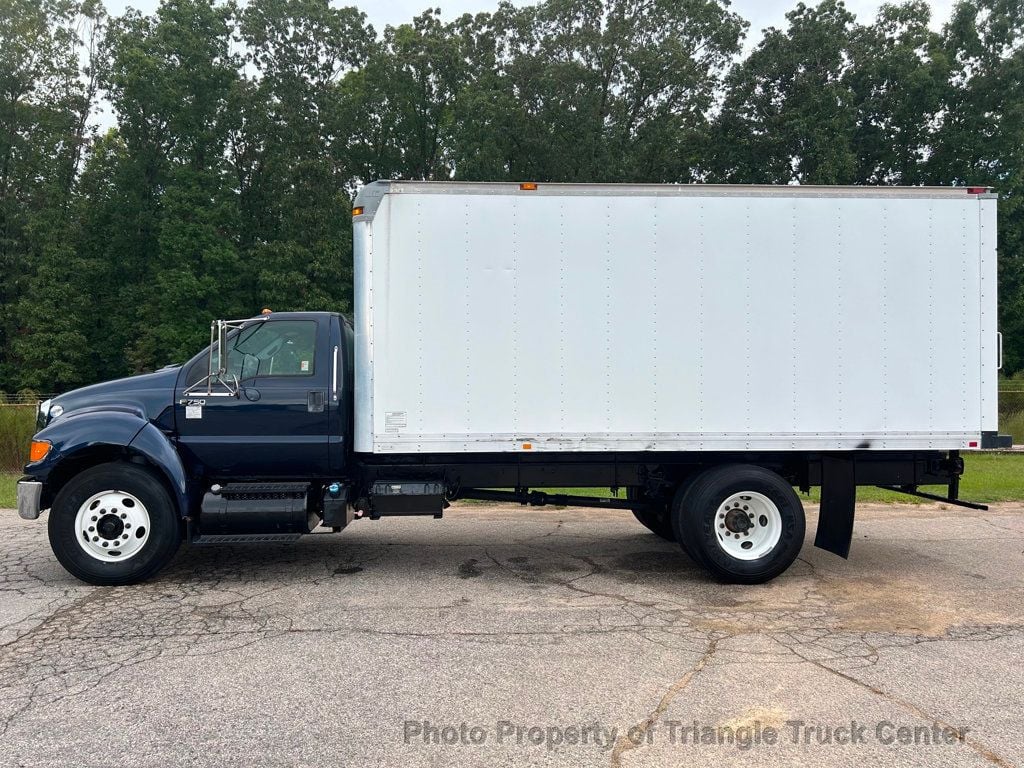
369,195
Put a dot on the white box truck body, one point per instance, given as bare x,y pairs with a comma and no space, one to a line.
579,318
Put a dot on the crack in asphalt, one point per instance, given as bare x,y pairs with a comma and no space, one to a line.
624,743
986,752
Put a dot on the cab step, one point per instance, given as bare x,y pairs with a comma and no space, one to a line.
248,491
246,538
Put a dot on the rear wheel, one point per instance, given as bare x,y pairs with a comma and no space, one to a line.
654,515
114,524
744,523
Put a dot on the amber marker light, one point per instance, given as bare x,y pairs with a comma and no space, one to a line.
38,450
357,211
528,186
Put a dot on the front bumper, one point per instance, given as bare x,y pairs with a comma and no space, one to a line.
30,493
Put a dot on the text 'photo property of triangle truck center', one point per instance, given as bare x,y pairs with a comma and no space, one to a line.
700,352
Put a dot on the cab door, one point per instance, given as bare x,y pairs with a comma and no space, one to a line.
277,426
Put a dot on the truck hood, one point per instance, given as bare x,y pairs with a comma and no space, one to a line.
151,395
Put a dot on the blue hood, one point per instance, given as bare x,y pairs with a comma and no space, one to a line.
150,395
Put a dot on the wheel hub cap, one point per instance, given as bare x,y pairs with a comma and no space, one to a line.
748,525
736,521
112,526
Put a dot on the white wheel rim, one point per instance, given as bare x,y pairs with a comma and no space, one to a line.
112,526
748,525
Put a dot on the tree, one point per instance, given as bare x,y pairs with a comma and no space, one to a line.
898,77
44,108
170,79
401,104
789,113
585,90
290,154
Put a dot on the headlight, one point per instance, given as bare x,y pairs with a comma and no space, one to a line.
47,412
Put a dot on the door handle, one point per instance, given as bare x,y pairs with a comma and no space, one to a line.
315,401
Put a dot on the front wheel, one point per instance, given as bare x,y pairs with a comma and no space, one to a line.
745,523
114,524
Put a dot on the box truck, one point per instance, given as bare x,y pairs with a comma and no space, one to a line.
698,351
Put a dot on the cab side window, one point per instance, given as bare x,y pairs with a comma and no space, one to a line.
273,348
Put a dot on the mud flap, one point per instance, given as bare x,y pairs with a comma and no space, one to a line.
838,499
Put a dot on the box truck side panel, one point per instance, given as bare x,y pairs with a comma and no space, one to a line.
500,320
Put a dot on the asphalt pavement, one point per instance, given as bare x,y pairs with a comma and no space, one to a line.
510,636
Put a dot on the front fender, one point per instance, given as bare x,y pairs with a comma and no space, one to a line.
154,445
96,432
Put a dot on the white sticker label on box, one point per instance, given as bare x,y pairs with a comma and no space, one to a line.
304,366
193,411
395,421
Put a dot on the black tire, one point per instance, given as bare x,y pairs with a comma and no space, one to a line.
656,521
677,502
697,526
655,517
164,535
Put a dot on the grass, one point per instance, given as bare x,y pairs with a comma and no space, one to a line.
1012,424
8,491
17,425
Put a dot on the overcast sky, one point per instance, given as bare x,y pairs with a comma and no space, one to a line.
760,13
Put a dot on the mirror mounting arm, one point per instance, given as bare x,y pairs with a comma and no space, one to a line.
218,338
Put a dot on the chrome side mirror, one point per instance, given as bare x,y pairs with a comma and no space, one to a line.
219,375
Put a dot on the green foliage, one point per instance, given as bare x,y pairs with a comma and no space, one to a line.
17,425
789,114
243,130
43,106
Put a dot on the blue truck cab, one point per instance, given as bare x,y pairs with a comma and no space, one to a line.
124,465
